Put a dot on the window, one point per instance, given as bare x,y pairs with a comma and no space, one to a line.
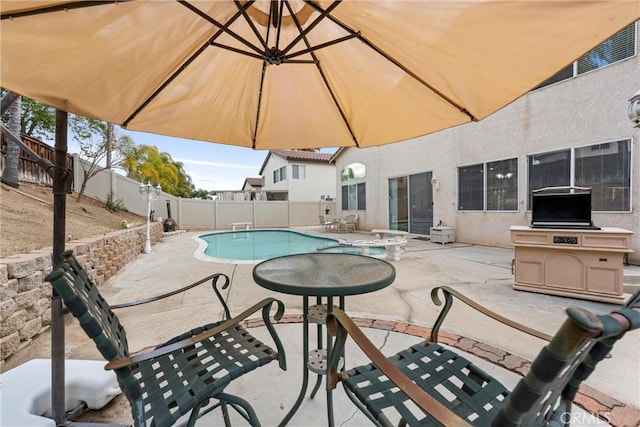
604,167
353,171
502,185
549,170
280,174
298,172
470,188
354,197
620,46
491,186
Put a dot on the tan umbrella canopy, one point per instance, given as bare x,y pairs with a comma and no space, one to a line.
285,73
294,74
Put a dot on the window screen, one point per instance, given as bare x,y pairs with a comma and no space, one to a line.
470,188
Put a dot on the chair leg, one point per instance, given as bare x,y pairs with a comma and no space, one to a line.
225,413
193,417
241,406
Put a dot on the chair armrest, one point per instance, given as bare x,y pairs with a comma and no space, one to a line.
73,262
448,296
339,324
265,305
214,281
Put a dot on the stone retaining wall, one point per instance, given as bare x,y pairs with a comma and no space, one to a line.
24,296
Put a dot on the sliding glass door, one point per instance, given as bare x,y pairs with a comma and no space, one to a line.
411,203
398,204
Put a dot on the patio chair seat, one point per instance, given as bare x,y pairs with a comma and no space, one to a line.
454,381
185,375
349,223
327,224
428,385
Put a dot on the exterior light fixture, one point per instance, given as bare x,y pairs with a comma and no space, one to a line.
435,183
633,111
149,193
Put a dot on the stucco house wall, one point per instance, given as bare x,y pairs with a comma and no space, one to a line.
320,178
320,181
274,163
584,110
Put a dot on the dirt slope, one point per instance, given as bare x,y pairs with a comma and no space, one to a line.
26,218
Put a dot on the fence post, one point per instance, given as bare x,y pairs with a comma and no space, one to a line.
179,220
78,172
253,214
216,213
113,188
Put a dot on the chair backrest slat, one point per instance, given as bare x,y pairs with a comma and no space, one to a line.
82,298
547,391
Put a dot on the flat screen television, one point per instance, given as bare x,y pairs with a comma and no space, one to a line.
561,210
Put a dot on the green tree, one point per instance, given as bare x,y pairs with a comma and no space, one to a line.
100,146
199,194
146,164
25,116
12,158
37,120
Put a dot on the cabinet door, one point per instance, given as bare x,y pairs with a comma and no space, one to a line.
565,270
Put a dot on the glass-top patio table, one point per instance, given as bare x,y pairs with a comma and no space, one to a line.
327,275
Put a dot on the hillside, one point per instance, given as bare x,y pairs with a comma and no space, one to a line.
26,218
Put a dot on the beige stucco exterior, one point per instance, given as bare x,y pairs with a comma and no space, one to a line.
584,110
320,179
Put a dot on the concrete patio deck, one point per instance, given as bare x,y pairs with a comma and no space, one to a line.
394,317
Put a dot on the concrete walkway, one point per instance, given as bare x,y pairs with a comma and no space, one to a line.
395,317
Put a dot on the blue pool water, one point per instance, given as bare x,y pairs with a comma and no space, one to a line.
254,245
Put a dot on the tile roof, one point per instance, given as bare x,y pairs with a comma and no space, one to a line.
307,156
254,182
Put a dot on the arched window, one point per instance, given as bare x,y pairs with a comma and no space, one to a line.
353,171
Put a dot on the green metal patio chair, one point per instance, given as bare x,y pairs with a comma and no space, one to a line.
429,385
185,373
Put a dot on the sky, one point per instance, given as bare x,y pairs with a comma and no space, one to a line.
211,166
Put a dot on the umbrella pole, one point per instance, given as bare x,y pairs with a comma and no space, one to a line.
60,178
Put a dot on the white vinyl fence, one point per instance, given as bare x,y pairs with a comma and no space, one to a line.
205,214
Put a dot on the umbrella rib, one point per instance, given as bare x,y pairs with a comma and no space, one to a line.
58,8
188,62
394,61
324,78
304,32
321,46
278,24
243,11
222,27
255,131
273,6
236,50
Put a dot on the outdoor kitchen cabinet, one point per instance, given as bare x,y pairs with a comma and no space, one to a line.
577,263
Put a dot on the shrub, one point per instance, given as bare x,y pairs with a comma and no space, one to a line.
114,205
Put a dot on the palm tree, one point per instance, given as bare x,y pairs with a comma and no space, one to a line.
12,159
148,165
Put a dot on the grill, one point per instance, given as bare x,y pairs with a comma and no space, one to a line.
562,207
169,224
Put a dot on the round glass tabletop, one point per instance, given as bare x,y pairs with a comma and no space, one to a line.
324,274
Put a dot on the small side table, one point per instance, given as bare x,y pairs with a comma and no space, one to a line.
327,275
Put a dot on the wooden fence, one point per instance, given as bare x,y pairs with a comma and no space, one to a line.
28,169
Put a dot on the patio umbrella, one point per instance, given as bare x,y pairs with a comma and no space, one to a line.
288,73
295,74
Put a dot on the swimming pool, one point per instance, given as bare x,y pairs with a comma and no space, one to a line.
258,245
